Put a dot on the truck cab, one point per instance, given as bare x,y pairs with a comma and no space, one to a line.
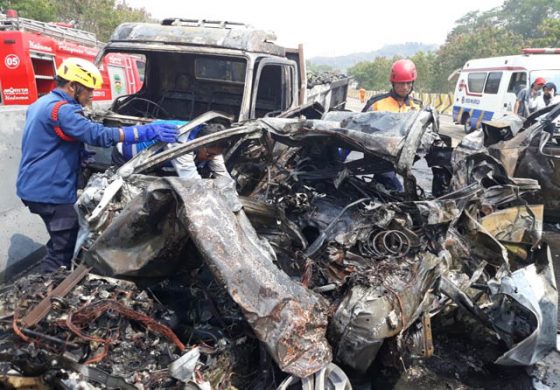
192,67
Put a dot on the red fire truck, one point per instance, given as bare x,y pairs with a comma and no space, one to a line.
30,52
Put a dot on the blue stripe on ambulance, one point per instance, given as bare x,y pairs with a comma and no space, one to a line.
474,115
476,120
456,114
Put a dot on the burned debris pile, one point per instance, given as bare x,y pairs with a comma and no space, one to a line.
308,257
111,334
384,260
320,78
105,324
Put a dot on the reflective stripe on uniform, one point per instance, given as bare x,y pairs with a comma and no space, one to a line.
127,150
54,116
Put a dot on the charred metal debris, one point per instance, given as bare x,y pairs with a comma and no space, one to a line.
303,260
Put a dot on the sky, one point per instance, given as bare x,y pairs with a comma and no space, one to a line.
330,28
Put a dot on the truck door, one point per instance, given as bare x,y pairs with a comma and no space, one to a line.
274,87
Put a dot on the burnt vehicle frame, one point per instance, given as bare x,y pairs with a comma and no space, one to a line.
409,310
527,149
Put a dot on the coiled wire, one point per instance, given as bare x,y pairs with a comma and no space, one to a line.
385,243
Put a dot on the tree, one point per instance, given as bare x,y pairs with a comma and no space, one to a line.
524,17
425,62
99,16
96,16
473,21
372,75
549,31
42,10
486,42
500,31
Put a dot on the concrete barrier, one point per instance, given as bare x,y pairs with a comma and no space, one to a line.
443,102
22,234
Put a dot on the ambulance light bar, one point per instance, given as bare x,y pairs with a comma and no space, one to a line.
543,50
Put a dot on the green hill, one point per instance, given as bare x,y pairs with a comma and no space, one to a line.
346,61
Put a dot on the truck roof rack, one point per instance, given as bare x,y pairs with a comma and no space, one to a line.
203,23
49,29
223,35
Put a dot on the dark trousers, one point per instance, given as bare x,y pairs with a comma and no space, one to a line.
61,221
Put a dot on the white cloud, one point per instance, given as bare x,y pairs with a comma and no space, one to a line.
331,28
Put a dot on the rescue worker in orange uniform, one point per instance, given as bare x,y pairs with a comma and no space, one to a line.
362,93
398,99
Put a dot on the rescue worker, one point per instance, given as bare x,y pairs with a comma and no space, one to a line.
548,96
205,161
362,93
398,99
52,144
526,102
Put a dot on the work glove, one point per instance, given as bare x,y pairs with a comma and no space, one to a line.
161,132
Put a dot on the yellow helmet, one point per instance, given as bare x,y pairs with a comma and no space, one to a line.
81,71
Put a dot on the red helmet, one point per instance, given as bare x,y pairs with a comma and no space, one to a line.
540,81
403,71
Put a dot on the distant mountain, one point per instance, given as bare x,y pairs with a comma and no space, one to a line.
344,62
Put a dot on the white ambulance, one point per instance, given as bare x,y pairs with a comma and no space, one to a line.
487,87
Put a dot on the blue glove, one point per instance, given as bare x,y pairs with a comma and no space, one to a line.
161,132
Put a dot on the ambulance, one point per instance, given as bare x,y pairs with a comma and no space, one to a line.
487,87
31,51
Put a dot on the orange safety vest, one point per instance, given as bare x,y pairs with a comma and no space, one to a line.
387,102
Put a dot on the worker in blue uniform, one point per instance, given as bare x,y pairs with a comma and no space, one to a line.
208,160
53,140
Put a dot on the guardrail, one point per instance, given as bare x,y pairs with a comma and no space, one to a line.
443,102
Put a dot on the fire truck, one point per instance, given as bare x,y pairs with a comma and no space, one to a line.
31,51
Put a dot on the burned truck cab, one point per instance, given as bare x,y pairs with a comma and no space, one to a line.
193,67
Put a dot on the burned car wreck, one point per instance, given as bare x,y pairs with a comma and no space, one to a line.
301,265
